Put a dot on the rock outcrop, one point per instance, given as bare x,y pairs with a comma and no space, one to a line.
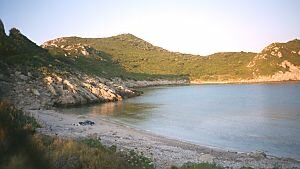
82,89
77,49
276,52
292,73
50,90
36,90
277,62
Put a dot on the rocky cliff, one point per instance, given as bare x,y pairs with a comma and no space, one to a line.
37,90
277,62
34,90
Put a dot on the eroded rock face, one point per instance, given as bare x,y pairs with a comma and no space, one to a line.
292,73
74,90
45,91
69,49
36,89
282,58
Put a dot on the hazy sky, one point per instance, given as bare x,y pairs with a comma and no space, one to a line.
190,26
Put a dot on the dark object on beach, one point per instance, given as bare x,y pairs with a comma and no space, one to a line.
86,122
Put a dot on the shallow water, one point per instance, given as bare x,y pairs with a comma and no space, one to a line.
264,117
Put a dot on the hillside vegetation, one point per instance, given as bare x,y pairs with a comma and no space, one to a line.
138,56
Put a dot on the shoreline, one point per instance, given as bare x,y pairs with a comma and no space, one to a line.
244,82
162,150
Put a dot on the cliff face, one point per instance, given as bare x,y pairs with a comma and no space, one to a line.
37,89
33,90
277,62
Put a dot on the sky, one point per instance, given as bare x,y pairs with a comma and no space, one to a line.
188,26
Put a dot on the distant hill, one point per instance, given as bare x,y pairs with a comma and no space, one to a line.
138,56
130,57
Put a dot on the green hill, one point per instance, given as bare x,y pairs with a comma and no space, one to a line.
140,57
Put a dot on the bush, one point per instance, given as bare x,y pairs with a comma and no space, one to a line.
16,145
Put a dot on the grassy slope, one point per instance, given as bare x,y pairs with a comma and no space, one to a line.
140,57
100,63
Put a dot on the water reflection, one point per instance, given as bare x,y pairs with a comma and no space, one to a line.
121,108
130,112
107,109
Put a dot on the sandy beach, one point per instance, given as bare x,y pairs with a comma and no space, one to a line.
163,151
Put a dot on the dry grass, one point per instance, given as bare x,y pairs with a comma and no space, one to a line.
21,147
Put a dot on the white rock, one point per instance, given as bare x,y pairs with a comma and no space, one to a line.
273,53
35,92
276,49
85,53
59,79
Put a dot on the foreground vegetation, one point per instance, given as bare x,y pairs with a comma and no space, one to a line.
22,147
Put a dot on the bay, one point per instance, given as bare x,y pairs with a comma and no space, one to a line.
235,117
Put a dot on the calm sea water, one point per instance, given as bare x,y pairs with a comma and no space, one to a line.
264,117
